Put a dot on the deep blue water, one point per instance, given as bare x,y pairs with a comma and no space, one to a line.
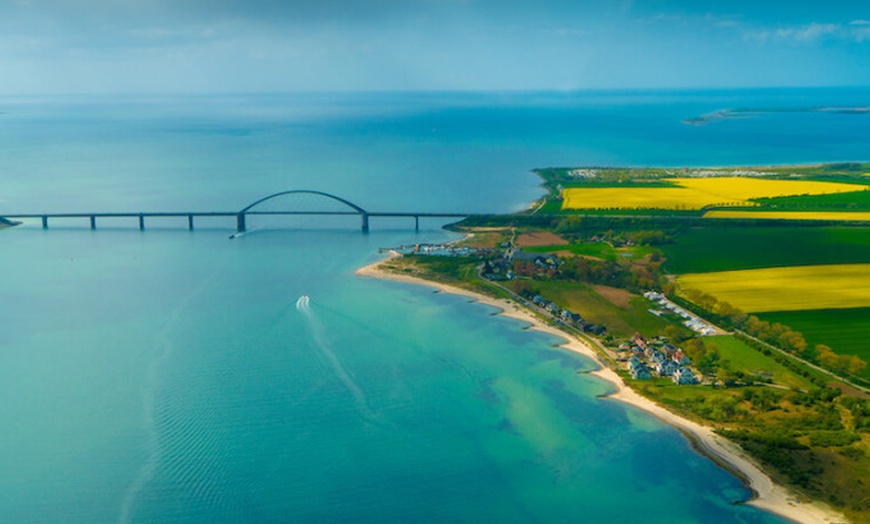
174,376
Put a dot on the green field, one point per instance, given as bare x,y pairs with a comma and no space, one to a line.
743,358
846,331
601,250
554,207
857,201
594,308
707,249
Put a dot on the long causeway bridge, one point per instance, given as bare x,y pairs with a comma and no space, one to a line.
347,208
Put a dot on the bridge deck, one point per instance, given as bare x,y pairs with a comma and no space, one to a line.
240,216
352,209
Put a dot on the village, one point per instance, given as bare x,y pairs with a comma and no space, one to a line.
643,359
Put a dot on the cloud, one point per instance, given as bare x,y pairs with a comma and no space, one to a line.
699,21
808,33
857,31
569,31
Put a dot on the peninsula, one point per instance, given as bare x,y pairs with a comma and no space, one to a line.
631,283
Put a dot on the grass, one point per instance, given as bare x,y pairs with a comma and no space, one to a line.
554,207
752,362
787,288
695,193
844,216
706,249
600,250
856,200
621,322
846,331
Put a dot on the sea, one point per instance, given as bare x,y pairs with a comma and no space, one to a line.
178,376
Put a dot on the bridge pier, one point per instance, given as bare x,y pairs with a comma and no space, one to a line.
241,216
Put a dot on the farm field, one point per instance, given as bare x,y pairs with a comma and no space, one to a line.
695,193
846,331
787,288
741,357
601,250
855,201
582,299
704,249
855,216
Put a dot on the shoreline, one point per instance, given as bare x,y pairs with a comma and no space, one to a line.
766,494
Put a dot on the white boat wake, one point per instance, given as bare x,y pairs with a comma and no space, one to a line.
303,304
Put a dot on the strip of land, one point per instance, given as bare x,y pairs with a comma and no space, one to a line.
766,494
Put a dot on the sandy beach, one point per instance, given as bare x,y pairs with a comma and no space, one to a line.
767,495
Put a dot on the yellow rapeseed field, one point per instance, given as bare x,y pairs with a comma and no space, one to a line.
793,215
695,193
787,288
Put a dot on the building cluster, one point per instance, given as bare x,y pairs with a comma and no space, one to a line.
442,250
707,173
689,320
657,357
502,268
583,173
540,260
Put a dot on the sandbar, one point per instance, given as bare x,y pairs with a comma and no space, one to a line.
766,494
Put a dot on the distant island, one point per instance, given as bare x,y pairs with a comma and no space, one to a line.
646,269
749,112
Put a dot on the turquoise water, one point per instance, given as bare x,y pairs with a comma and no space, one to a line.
175,376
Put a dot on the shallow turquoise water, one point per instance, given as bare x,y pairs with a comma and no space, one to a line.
174,376
171,377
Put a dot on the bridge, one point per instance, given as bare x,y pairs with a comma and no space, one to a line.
347,208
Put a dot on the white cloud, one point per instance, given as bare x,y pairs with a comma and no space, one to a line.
570,31
716,20
857,31
808,33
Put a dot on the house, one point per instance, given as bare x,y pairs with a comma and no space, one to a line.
654,296
594,329
680,358
667,368
657,357
638,370
683,376
638,339
569,316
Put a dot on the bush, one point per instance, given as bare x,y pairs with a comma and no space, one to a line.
827,439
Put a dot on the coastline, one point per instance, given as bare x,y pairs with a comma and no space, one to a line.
766,494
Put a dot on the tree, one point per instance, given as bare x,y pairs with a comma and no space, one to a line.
792,341
736,316
843,363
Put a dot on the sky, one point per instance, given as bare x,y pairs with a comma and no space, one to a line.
221,46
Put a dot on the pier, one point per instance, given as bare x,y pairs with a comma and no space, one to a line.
241,216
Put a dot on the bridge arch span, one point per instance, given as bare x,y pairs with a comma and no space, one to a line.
310,192
241,226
